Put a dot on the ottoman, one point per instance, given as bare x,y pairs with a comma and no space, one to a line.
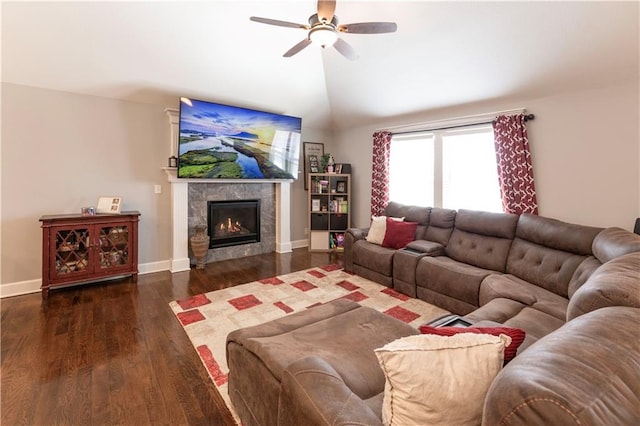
341,334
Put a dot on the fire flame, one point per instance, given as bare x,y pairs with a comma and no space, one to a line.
230,227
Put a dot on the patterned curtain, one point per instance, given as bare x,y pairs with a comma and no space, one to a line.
380,173
515,172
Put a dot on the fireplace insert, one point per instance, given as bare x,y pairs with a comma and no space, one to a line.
233,222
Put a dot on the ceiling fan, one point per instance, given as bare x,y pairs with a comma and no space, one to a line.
324,30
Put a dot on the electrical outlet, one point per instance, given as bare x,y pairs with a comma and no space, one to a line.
157,189
306,231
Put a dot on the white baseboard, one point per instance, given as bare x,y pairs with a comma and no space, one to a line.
20,288
151,267
283,247
299,243
33,286
179,265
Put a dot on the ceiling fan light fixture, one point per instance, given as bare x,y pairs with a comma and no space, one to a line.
323,35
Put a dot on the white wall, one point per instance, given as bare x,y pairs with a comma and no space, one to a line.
61,151
585,152
299,218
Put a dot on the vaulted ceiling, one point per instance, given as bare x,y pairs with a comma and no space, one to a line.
443,54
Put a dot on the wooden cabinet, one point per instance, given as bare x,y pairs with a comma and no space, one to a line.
329,209
80,249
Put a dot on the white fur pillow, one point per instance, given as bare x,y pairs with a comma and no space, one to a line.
439,380
378,229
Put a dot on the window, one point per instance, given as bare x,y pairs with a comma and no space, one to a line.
453,169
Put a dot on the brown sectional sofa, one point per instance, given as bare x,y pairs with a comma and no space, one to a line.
574,289
517,270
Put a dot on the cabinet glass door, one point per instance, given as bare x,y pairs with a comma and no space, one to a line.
71,251
113,247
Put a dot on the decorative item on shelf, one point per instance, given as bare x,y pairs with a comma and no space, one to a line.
173,161
341,186
324,162
331,165
314,167
345,168
109,205
88,211
200,245
312,150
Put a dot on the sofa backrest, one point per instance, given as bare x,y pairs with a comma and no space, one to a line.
547,252
410,214
441,222
482,239
616,283
614,242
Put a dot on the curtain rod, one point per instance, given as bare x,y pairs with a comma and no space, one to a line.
527,117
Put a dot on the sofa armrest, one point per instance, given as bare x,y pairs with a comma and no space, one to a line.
430,248
351,237
313,393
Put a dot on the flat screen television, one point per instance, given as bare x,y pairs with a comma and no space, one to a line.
226,142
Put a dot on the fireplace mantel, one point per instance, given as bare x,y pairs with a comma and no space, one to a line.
180,222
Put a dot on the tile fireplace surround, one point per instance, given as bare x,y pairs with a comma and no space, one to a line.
189,207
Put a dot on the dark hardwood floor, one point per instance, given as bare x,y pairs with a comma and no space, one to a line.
114,354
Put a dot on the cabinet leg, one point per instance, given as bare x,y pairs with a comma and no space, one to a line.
45,293
134,278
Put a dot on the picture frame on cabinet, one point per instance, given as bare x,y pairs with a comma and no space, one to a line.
109,205
311,149
341,186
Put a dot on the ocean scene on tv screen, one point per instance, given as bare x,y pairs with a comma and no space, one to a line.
226,142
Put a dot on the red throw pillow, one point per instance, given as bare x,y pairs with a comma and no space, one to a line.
517,335
399,234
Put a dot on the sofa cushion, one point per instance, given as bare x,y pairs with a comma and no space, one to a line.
517,335
543,266
410,214
374,257
377,229
450,384
556,234
615,242
511,287
501,225
582,274
482,239
497,310
312,391
617,282
536,323
586,373
450,277
399,234
441,222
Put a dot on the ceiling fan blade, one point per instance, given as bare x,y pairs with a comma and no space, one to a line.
345,49
278,23
369,28
326,9
297,48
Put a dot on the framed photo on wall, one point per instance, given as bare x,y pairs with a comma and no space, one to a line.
310,150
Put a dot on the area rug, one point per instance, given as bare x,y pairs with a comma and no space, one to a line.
208,318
